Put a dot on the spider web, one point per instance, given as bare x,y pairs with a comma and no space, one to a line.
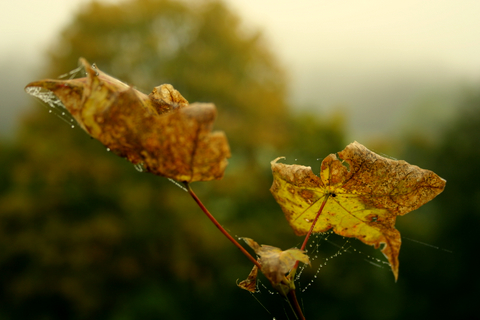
54,105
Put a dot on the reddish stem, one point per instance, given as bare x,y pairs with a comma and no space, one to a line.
304,245
291,294
292,297
222,230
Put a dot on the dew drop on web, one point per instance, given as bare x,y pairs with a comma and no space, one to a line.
139,167
320,246
75,73
179,185
54,105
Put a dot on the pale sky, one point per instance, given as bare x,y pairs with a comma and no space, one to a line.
371,56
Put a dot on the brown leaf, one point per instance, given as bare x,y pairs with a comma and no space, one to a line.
250,284
364,194
161,131
276,263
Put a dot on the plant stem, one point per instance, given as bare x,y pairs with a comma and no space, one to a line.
292,297
304,245
222,230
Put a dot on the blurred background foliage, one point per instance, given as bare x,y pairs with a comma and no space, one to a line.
83,235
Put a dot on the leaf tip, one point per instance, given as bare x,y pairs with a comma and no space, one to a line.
250,284
275,160
251,243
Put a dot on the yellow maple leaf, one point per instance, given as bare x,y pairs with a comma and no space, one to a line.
360,196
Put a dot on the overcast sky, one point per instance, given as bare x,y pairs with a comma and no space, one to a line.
365,56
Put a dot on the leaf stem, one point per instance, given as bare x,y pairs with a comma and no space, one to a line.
304,245
292,298
222,230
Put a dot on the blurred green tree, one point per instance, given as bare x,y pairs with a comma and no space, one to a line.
83,235
450,222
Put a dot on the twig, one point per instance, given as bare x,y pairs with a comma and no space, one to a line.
292,298
222,230
304,245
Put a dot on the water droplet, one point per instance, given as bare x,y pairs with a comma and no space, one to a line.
177,184
295,159
73,126
49,111
63,113
108,149
308,220
139,166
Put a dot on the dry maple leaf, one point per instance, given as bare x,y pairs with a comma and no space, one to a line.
161,131
275,263
250,284
364,194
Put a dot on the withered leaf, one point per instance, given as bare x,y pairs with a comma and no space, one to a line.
250,284
365,193
276,263
161,131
